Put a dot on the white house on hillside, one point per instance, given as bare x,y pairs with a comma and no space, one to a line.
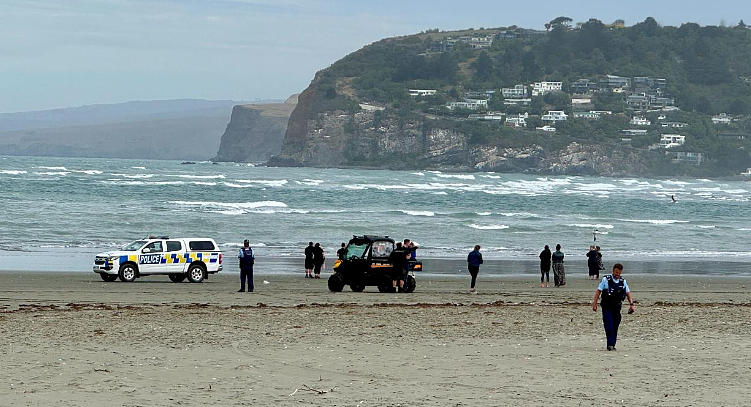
422,92
541,88
518,91
672,140
554,116
469,104
722,118
640,121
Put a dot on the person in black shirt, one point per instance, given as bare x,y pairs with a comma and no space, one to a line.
341,252
398,260
592,264
545,267
309,261
318,259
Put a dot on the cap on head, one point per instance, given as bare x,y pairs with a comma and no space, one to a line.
558,247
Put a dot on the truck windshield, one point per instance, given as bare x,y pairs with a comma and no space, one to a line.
355,250
134,246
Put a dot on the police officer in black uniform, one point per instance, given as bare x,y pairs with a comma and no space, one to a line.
247,259
614,290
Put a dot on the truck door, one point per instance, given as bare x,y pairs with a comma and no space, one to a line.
174,256
151,258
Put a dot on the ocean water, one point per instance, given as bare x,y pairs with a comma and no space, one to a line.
71,208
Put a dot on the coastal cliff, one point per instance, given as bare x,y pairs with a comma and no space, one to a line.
564,101
255,131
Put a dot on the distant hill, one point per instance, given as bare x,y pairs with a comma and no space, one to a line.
453,99
163,129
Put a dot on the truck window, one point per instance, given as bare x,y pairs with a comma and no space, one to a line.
153,247
201,245
174,246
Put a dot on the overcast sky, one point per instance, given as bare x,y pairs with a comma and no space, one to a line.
61,53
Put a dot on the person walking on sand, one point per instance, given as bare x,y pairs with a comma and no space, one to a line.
247,259
318,259
341,252
559,273
545,267
474,259
592,265
309,261
614,290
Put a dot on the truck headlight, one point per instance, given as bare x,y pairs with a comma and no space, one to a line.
113,258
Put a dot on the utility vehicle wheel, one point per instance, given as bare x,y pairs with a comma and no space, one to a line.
335,283
127,273
196,273
177,278
108,277
357,287
410,284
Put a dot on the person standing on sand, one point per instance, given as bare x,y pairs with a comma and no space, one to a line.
341,252
600,265
474,259
614,290
594,268
309,261
559,273
318,258
247,259
545,267
398,260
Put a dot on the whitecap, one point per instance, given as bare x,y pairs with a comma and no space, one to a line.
244,205
139,168
418,173
491,176
654,221
13,172
488,227
53,173
204,183
88,172
705,226
134,176
219,176
440,193
519,214
459,176
483,213
418,213
229,184
591,226
271,183
52,168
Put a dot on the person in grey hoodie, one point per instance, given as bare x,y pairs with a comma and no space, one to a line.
474,259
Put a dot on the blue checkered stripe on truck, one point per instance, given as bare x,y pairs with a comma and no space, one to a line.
179,258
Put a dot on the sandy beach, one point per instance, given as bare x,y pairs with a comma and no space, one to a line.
71,339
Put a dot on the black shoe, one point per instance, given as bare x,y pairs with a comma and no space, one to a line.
250,291
611,347
241,290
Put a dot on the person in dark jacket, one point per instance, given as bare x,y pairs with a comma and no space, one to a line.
559,272
474,259
309,261
341,252
612,290
246,259
318,259
592,264
399,261
545,267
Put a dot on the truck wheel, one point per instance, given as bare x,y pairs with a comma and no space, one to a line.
357,286
108,277
177,278
127,273
410,284
196,273
335,283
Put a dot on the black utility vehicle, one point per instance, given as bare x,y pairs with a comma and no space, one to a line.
366,263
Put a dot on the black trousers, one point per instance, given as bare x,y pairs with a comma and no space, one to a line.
246,273
611,318
473,270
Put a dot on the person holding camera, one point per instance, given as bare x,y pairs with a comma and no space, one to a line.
613,289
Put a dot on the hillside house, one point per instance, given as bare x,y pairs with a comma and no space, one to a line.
583,86
638,102
640,121
672,140
612,81
469,104
541,88
422,92
517,102
722,118
519,120
674,125
581,101
489,116
592,114
634,132
518,91
554,116
549,129
686,157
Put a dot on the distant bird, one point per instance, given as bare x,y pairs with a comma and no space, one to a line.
673,198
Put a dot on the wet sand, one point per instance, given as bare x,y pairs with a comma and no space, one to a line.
71,339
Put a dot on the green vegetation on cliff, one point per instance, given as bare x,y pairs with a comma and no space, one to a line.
700,72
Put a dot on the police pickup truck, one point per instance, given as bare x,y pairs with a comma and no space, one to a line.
179,259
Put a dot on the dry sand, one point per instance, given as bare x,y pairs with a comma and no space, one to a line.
70,339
